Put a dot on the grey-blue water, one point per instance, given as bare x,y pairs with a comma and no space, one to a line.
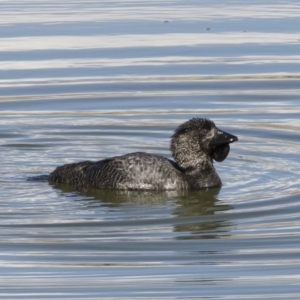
92,79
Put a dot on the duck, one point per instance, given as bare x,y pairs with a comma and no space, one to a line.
195,145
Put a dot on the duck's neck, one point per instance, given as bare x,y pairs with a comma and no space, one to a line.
197,166
202,177
189,155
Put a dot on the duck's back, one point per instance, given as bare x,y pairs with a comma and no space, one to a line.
131,171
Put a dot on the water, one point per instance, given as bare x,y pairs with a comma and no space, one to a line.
91,79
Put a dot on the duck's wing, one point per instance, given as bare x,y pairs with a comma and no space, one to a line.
135,171
107,173
74,173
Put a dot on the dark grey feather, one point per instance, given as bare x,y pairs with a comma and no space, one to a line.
192,169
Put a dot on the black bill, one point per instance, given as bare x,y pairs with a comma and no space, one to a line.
220,145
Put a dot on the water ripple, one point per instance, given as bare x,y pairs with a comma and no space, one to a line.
86,80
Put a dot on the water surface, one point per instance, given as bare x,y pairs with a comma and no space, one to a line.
91,79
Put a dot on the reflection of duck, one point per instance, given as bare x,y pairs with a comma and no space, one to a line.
211,224
188,203
193,213
115,197
194,145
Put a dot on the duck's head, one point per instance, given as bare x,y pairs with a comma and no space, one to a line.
198,141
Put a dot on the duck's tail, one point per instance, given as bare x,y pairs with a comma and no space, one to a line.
39,178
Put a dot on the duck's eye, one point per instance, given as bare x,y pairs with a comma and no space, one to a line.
205,131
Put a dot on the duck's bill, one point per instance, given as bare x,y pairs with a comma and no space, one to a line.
220,145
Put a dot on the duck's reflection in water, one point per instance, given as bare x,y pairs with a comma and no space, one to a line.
197,212
201,215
